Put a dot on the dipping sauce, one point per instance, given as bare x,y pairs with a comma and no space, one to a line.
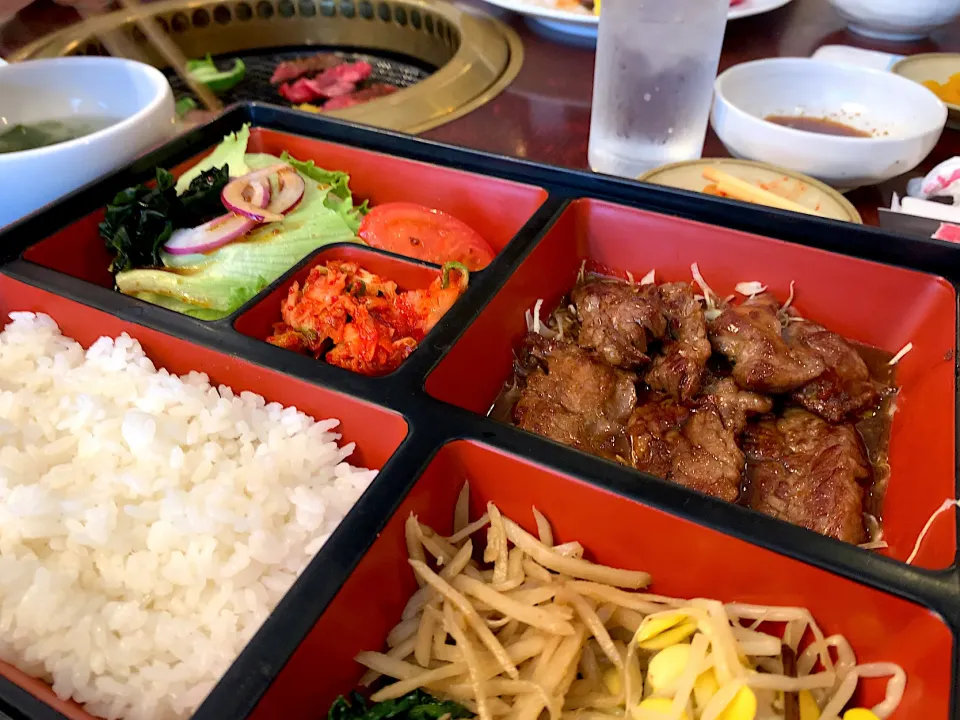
51,132
816,125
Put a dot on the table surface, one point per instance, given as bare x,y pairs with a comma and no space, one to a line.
545,114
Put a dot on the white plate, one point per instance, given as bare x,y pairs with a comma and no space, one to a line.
584,25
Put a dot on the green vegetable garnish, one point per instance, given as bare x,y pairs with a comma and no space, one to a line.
185,105
453,265
416,705
141,219
211,285
206,71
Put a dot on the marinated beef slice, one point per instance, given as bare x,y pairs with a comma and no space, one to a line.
808,472
572,397
678,369
749,336
618,320
696,446
845,388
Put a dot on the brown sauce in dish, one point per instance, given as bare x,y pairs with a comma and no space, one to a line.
822,126
875,427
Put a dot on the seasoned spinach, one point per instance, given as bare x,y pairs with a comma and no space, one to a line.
416,705
141,219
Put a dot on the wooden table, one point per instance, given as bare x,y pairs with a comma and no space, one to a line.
545,114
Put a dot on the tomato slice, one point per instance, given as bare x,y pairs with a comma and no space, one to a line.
430,235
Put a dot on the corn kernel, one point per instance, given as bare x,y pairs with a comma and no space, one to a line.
658,705
667,666
613,681
859,714
705,687
742,707
809,710
671,637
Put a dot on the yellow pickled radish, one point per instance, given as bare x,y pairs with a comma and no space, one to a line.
596,7
671,637
742,707
613,681
809,710
658,705
667,666
653,625
859,714
705,687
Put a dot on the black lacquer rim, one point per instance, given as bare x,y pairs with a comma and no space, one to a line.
432,423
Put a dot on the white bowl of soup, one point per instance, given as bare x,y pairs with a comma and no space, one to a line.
845,125
65,122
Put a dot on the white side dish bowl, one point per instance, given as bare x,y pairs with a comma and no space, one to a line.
904,119
135,97
897,20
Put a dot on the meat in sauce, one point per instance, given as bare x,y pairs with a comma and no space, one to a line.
572,397
618,320
678,370
808,472
845,387
757,406
750,336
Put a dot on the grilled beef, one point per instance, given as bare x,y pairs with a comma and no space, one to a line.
808,472
749,335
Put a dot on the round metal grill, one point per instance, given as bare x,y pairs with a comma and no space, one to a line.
445,60
399,71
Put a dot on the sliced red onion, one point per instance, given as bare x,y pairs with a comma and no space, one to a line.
260,192
290,189
210,235
243,197
249,195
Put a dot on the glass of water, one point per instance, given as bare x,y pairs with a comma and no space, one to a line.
653,82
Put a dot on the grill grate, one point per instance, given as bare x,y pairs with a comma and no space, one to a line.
260,66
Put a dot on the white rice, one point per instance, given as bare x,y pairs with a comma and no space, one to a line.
149,523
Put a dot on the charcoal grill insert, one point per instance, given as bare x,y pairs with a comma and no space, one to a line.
397,70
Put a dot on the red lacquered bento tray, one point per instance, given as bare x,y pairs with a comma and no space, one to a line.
424,425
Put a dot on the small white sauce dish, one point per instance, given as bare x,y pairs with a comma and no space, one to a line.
897,20
136,98
904,119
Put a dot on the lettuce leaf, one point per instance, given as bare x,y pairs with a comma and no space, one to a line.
339,198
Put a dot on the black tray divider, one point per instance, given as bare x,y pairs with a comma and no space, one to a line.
18,704
247,679
484,287
915,584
